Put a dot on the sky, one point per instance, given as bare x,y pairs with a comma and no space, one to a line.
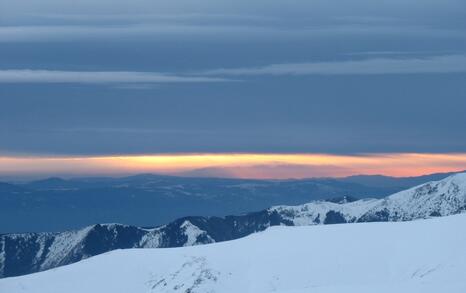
81,80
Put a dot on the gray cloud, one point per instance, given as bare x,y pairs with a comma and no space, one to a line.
149,18
226,31
436,64
304,7
41,33
47,20
95,77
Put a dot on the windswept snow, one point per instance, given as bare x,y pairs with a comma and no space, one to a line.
416,256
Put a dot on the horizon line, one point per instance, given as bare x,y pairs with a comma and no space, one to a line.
239,165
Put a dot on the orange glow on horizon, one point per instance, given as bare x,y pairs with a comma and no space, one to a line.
275,166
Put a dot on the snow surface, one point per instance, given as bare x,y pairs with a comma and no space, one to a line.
444,197
152,239
437,198
416,256
315,212
62,245
2,256
193,233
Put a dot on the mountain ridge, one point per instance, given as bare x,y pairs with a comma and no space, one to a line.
361,257
149,200
31,252
370,180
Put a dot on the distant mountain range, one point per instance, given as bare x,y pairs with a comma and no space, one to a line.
56,204
387,181
32,252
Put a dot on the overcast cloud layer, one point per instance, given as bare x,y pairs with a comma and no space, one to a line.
128,77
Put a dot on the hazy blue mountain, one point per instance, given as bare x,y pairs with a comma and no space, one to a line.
57,204
10,188
387,181
147,200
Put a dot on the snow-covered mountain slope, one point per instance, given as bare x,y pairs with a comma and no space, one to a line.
32,252
433,199
416,256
